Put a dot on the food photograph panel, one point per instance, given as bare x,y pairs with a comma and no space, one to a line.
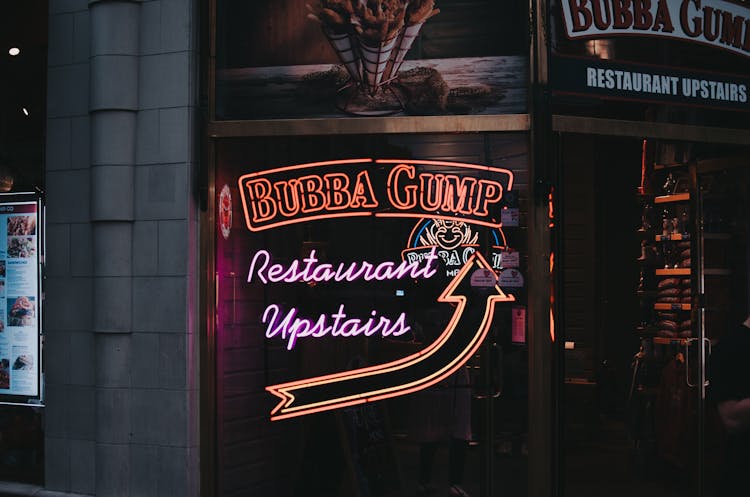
344,58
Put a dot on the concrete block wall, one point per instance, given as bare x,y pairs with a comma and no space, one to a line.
120,349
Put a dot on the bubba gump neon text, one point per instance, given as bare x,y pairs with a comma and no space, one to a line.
366,187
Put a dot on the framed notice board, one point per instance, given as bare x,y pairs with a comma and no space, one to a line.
21,258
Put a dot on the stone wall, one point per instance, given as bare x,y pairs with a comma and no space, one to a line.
120,345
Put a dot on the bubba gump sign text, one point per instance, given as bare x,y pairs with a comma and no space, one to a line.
720,23
385,188
367,187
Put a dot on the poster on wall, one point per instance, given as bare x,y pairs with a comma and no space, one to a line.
339,58
20,312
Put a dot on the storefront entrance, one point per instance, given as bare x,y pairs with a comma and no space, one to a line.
656,244
368,341
496,460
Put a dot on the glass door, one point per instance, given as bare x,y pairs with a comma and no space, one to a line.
723,207
469,434
636,302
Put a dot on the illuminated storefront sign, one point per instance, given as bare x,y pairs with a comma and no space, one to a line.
637,82
455,242
367,187
456,344
310,269
458,198
719,23
290,327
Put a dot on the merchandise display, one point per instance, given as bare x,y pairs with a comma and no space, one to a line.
666,280
690,238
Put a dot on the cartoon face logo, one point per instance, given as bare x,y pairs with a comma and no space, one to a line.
448,234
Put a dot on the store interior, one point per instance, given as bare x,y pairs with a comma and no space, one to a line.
669,243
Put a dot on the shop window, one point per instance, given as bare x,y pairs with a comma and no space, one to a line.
295,304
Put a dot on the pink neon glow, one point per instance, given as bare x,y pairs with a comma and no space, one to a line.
309,269
290,327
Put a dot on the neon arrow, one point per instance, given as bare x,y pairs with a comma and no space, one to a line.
458,342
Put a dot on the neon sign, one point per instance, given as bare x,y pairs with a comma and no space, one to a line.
722,24
310,270
367,187
448,198
291,327
454,242
460,340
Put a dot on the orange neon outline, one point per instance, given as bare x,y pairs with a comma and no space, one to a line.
342,184
282,188
245,177
464,165
427,183
482,200
408,162
462,191
256,214
424,218
360,190
391,192
284,390
472,202
307,193
504,247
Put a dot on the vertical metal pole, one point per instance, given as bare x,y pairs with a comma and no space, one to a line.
541,332
488,443
698,229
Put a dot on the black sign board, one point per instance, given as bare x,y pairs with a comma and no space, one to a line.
637,82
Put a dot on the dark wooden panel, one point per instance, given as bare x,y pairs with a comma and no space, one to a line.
579,243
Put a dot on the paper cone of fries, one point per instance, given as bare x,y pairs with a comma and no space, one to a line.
344,46
406,40
375,59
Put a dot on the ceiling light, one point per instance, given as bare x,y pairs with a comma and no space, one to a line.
25,111
14,51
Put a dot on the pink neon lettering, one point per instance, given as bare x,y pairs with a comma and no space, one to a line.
289,327
262,268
